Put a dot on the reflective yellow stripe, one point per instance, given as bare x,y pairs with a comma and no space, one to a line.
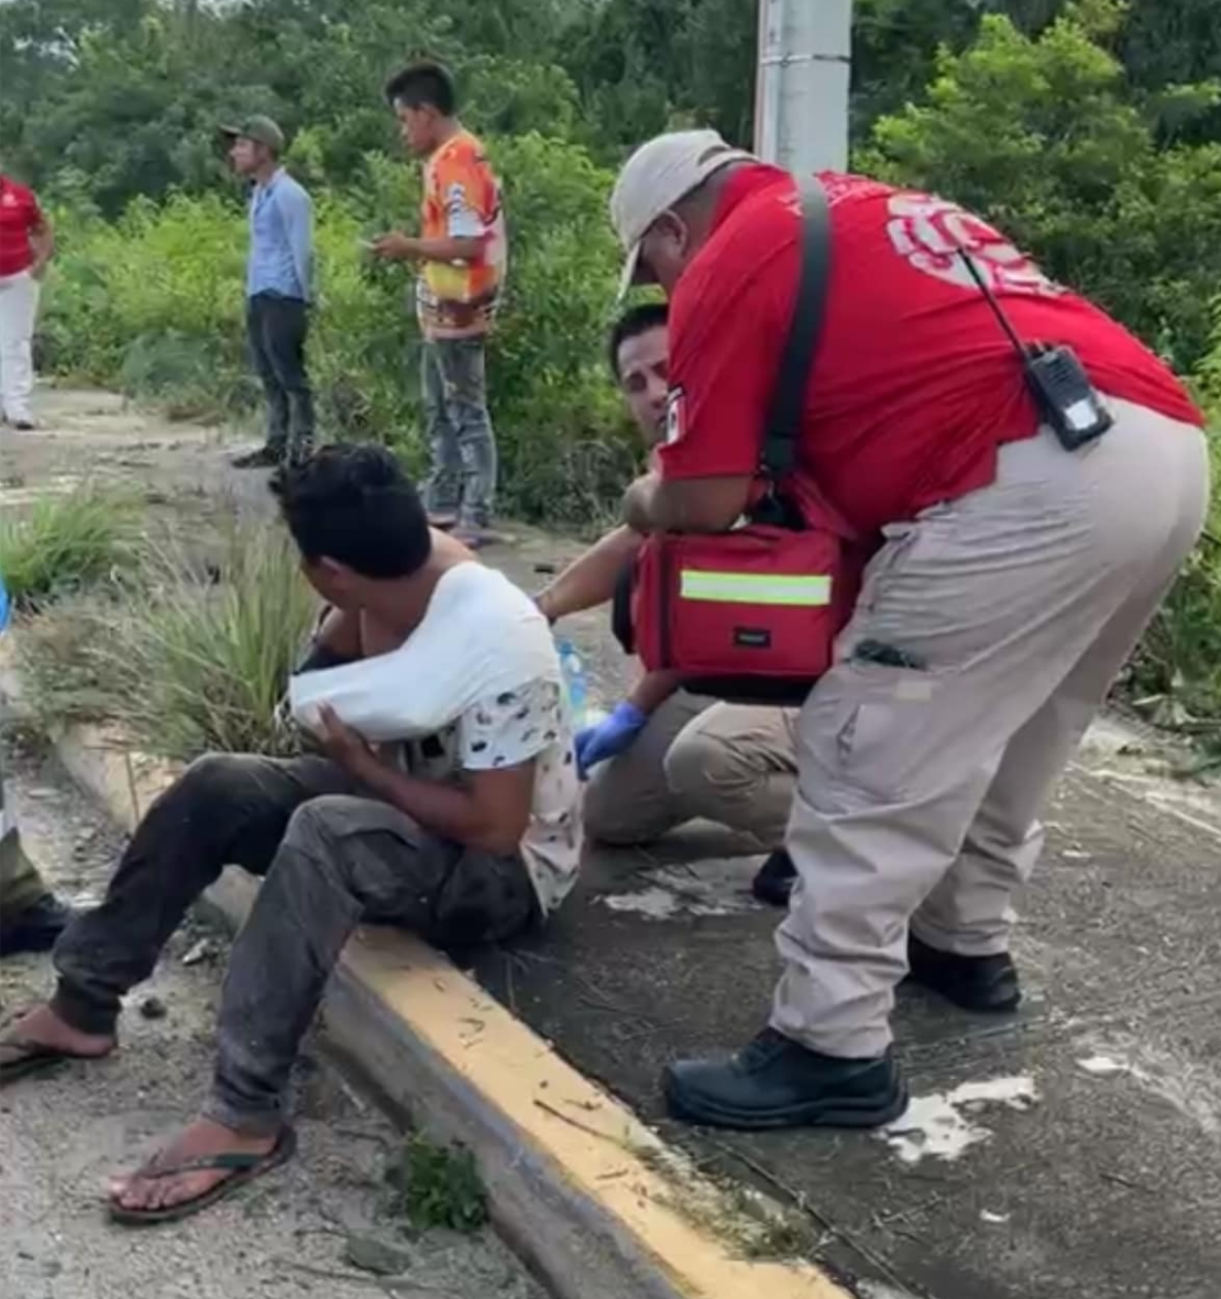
754,588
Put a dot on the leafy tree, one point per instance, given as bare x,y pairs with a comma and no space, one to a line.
1041,134
643,65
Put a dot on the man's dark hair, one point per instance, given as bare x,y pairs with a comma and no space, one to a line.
635,320
355,504
423,83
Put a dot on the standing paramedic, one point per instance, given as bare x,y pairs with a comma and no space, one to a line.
1011,579
26,245
461,250
279,280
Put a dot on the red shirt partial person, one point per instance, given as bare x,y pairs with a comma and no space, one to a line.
914,386
20,216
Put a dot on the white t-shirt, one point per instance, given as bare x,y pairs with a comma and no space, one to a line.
476,686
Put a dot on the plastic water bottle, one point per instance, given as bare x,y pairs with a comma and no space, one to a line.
576,683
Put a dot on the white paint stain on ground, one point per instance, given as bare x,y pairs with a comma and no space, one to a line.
880,1290
657,904
712,888
1103,1066
944,1125
1190,1088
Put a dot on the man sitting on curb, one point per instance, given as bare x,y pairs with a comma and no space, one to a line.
467,835
667,756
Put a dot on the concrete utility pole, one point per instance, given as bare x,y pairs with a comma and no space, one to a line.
801,91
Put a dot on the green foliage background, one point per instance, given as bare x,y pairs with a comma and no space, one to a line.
1089,129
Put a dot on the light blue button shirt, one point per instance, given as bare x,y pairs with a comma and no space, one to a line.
281,239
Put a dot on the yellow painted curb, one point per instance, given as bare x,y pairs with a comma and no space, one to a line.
593,1199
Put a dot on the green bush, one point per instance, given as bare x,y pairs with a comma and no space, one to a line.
1043,135
154,305
176,268
1175,676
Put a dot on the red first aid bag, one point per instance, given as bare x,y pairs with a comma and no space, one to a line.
752,614
754,620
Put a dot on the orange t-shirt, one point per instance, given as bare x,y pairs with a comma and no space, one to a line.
461,201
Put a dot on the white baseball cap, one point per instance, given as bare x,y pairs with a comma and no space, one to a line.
657,176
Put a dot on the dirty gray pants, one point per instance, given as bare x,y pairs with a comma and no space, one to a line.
453,387
331,857
919,790
20,883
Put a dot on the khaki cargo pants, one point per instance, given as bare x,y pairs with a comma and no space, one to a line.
919,790
698,759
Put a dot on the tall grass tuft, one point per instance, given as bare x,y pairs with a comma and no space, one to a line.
200,656
192,657
66,541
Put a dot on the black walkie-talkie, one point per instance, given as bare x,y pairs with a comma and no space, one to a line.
1067,400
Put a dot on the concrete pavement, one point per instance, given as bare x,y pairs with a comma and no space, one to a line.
1071,1150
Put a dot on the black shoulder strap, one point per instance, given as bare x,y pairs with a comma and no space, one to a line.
788,398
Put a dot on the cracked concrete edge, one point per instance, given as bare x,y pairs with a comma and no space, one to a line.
592,1199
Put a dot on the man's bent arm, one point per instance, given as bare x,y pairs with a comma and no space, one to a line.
653,689
445,248
654,504
591,578
449,248
297,213
489,810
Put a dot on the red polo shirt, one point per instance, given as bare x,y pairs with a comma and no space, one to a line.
19,214
914,385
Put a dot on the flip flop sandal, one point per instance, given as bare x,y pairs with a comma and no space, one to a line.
18,1058
242,1169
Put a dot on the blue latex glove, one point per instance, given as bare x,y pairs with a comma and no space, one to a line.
610,737
3,605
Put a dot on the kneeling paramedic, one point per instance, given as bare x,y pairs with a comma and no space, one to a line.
1029,478
666,756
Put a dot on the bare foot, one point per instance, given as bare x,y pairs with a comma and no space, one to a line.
204,1137
45,1028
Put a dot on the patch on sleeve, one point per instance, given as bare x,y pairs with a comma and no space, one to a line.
676,416
462,220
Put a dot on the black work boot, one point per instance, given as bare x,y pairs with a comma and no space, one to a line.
988,983
34,928
263,458
777,1083
774,881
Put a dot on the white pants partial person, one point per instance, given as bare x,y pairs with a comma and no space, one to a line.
18,308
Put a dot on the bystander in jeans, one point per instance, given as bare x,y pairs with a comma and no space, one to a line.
279,275
462,255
